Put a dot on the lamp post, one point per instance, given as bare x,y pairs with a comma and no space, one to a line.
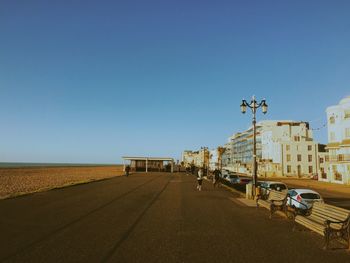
204,164
254,105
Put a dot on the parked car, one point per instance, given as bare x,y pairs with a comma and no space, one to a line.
233,178
303,198
266,186
224,173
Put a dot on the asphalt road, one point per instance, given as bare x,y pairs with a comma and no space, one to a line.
150,218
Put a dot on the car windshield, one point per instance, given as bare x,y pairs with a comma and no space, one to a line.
233,176
278,187
310,196
292,193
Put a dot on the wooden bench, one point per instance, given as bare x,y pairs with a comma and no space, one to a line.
327,220
275,201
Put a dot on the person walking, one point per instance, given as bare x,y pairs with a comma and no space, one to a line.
127,170
199,179
216,177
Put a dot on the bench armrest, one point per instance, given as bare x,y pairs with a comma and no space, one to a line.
328,222
280,200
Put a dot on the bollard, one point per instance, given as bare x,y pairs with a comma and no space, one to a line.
257,192
248,191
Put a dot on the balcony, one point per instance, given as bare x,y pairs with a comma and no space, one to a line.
339,158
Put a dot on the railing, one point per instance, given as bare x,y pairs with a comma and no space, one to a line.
339,158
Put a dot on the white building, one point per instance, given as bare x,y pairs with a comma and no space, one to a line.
213,159
198,158
338,166
284,148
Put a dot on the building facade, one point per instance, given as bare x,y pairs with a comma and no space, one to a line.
198,158
283,148
338,165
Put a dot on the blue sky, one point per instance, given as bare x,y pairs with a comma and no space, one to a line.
90,81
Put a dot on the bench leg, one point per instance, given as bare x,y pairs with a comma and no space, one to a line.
326,238
346,237
272,210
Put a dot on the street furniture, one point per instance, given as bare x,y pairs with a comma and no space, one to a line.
276,201
329,221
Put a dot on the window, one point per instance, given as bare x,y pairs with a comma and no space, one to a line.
332,136
321,160
347,132
331,120
299,157
337,176
288,157
289,169
347,114
309,147
297,138
310,196
310,169
309,157
287,147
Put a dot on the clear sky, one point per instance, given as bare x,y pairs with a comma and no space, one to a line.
90,81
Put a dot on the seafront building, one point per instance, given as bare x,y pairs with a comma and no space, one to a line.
284,148
191,158
213,159
338,164
198,158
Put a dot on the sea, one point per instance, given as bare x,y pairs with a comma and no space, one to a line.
19,165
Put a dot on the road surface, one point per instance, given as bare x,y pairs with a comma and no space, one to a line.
150,218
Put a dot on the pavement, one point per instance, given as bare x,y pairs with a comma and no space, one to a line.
154,217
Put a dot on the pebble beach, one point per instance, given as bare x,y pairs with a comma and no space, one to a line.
25,180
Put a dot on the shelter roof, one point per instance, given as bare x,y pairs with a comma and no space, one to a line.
148,158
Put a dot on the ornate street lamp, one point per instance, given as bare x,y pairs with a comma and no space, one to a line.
254,105
205,166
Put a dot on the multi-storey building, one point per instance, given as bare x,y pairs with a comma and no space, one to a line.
226,158
213,159
283,148
198,158
190,157
338,165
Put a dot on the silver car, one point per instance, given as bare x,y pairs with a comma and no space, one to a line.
303,198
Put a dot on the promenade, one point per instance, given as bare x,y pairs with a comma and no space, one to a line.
150,218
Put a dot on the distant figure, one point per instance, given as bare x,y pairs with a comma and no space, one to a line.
216,177
193,168
127,170
199,179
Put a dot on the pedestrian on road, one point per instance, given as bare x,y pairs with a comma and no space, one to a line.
188,169
216,177
193,168
127,170
199,179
